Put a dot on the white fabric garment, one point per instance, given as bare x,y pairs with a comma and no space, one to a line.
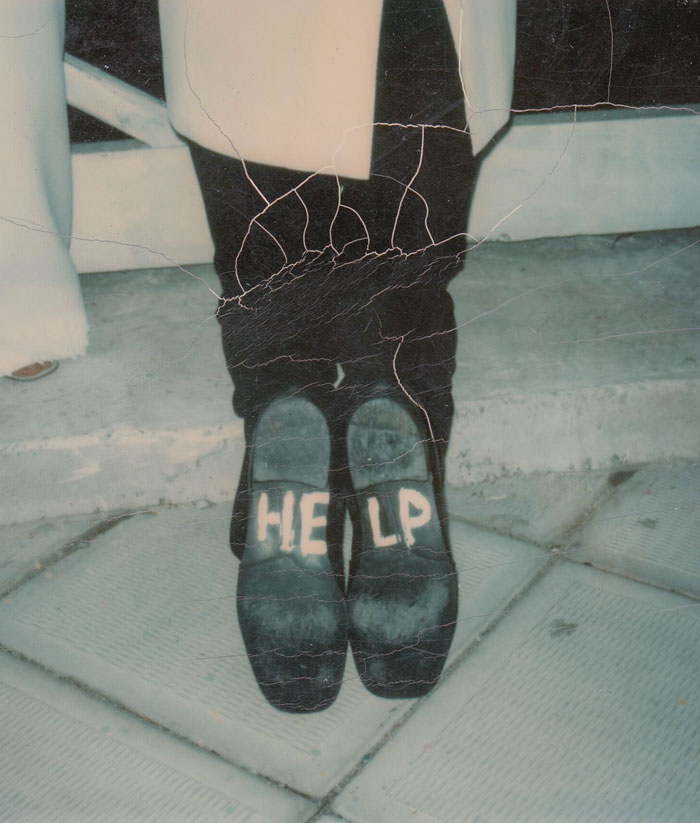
291,82
284,83
42,316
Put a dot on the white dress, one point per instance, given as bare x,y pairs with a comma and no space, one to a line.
42,316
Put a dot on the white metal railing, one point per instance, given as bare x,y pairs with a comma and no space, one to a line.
118,104
636,166
139,195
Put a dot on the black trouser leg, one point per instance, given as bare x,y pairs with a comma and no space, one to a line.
268,337
300,298
407,332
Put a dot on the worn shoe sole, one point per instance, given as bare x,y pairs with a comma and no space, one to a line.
291,608
402,593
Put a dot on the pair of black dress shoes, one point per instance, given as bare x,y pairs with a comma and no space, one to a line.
295,612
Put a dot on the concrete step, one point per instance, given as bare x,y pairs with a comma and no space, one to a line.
542,509
575,354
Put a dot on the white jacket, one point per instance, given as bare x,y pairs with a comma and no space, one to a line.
291,82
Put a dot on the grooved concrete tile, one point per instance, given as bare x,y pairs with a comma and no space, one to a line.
649,529
582,705
28,546
66,756
147,616
537,508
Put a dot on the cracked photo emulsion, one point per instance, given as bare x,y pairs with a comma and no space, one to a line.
350,444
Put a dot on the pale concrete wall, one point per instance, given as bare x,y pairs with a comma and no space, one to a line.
591,172
550,175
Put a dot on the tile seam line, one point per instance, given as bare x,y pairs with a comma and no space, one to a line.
556,545
564,542
545,548
320,813
555,559
561,543
563,555
96,694
563,547
81,541
131,748
326,806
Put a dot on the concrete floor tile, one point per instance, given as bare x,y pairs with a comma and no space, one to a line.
27,547
146,615
583,705
537,508
67,757
492,571
649,529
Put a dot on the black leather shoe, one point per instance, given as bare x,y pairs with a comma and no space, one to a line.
402,591
291,609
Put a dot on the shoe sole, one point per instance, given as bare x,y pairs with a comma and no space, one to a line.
291,609
402,601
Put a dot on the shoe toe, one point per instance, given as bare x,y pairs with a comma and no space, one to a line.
294,628
402,613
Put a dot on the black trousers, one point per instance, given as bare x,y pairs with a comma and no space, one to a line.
353,273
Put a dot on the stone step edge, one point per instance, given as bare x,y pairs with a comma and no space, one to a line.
568,430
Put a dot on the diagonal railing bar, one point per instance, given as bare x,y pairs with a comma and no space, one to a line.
118,104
